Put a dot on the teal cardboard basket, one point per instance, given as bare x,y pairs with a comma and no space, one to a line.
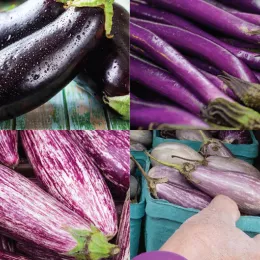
164,218
137,210
246,152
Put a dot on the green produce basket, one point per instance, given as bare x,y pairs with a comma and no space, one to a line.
246,152
137,210
164,218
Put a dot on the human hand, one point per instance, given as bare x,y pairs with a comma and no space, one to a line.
212,235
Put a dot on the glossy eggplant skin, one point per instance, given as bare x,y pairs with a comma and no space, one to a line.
27,18
37,67
108,65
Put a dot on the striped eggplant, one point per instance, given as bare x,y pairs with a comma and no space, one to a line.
110,154
176,190
71,176
9,148
7,244
235,136
243,189
174,153
10,256
123,236
39,253
29,214
232,164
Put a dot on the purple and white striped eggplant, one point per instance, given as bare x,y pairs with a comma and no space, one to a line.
111,154
177,190
71,176
9,148
232,164
174,153
10,256
29,214
123,236
243,189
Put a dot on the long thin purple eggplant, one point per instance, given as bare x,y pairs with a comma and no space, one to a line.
9,148
71,176
197,45
220,108
146,12
209,15
110,153
27,18
123,236
9,256
162,82
252,6
30,214
147,115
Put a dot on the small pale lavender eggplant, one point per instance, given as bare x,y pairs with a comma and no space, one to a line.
192,135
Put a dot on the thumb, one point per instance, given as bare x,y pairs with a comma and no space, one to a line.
221,209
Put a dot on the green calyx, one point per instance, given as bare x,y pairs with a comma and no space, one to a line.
248,93
225,112
121,104
91,245
107,5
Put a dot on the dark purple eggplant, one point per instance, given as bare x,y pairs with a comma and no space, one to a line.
7,244
108,65
9,256
235,137
27,18
37,67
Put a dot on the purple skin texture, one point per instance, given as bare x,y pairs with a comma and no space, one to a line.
123,236
9,148
164,83
209,15
195,44
171,59
10,256
148,13
243,189
110,153
29,214
145,114
71,177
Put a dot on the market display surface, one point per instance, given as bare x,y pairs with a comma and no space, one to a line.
62,198
194,64
176,173
40,60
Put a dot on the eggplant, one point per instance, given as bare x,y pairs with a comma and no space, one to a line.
123,236
7,244
108,65
9,148
235,137
27,18
8,256
192,135
70,175
144,137
232,164
38,66
134,188
31,215
243,189
172,153
137,146
132,167
110,154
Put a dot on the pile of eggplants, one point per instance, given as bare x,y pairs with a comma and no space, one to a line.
43,46
59,206
206,69
191,179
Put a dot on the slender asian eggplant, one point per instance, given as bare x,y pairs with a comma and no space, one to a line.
37,67
110,154
71,176
29,214
27,18
9,148
123,236
108,65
